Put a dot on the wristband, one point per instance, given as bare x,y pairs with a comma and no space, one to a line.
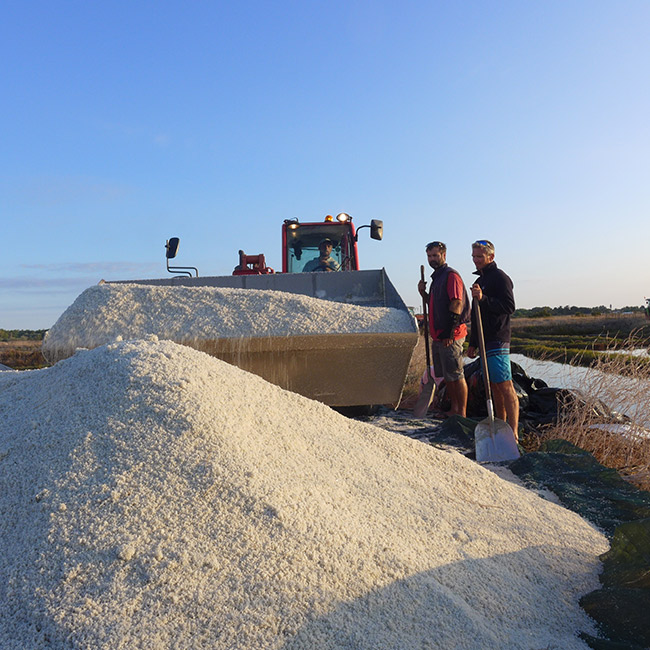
448,332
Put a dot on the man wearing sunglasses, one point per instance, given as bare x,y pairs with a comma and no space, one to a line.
449,313
494,292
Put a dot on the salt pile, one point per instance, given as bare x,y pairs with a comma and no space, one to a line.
179,313
152,496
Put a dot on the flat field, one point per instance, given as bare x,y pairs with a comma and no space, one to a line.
579,339
21,355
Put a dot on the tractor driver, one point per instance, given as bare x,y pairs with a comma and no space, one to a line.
325,261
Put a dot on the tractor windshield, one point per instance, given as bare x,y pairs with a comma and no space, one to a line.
320,247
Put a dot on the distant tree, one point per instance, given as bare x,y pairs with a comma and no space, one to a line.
22,335
573,310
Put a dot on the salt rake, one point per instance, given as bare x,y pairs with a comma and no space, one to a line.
494,439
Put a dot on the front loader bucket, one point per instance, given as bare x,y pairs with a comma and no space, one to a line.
331,363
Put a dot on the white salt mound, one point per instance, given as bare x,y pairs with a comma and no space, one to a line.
152,496
105,311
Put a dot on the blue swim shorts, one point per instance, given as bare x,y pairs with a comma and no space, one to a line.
498,361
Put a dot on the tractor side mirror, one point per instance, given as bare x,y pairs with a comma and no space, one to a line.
376,229
172,247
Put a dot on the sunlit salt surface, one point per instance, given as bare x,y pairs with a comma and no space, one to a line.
152,496
105,311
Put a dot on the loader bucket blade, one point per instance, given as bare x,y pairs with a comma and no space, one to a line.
336,369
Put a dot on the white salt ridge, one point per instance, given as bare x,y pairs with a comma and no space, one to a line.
152,496
103,312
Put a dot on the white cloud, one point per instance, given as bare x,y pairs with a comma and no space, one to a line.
162,140
50,191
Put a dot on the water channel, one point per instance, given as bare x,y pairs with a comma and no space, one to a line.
623,394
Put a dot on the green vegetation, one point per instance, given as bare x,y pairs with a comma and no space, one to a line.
22,335
581,339
546,312
21,349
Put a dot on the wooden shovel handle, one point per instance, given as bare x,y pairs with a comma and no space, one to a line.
481,348
426,328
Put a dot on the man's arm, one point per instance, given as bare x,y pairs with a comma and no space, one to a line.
333,264
456,306
501,299
455,292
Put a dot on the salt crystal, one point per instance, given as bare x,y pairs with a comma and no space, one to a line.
113,312
274,521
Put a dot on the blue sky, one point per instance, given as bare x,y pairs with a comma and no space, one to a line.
125,123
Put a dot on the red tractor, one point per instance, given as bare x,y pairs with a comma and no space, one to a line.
319,260
329,245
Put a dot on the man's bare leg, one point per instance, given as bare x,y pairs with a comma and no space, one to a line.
506,404
458,396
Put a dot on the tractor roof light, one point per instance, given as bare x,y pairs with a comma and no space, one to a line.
342,217
292,224
329,218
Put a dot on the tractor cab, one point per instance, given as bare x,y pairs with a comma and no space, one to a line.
301,251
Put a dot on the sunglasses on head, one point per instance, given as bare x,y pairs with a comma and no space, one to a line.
483,242
436,244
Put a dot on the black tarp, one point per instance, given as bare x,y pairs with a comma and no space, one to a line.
538,403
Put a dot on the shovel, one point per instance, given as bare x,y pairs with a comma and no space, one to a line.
494,438
426,390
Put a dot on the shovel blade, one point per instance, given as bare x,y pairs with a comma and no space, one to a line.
424,399
495,441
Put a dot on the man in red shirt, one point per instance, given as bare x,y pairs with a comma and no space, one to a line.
449,313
